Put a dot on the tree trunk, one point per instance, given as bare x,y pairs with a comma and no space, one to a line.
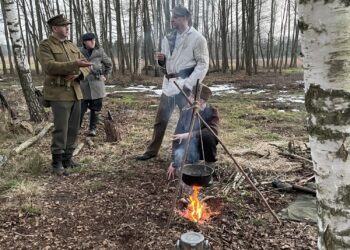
38,18
327,85
9,51
223,32
36,110
237,37
120,43
4,69
288,38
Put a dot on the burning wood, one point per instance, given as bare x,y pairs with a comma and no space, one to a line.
197,211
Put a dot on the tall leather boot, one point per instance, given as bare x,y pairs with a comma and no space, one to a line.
57,166
94,117
68,161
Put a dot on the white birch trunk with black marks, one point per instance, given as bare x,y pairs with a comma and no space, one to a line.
326,45
36,110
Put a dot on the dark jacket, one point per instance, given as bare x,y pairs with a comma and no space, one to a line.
210,115
92,86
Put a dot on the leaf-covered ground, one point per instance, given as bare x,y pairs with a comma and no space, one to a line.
116,202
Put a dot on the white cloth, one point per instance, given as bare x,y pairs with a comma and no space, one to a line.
190,50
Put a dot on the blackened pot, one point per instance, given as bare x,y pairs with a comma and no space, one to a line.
197,175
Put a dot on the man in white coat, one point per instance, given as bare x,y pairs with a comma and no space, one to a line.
184,59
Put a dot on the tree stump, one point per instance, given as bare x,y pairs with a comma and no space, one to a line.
112,130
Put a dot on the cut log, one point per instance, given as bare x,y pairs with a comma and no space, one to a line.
32,140
113,132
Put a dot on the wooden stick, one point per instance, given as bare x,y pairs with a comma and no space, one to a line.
296,156
32,140
193,119
234,160
4,103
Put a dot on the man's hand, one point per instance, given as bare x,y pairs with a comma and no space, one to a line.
71,77
103,78
83,63
180,137
171,171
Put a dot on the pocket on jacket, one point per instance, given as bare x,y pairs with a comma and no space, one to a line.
75,53
59,55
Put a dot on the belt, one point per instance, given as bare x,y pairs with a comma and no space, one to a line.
171,75
182,73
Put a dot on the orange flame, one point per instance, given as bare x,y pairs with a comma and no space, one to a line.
196,211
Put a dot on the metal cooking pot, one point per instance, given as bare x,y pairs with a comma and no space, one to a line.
197,175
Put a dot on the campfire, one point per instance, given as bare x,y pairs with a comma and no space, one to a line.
197,210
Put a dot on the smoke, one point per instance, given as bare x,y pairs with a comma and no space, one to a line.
193,152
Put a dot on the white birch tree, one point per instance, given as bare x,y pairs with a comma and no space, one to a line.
36,110
326,45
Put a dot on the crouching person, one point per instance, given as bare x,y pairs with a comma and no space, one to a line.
93,87
199,134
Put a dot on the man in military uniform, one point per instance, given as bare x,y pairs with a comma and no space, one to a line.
64,66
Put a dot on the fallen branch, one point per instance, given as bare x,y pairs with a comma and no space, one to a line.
25,235
32,140
78,148
89,142
295,156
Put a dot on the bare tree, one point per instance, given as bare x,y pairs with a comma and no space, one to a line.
36,110
223,32
9,52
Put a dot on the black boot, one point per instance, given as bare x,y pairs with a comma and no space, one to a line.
57,166
94,117
68,162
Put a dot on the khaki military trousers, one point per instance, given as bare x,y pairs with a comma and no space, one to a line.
165,109
66,119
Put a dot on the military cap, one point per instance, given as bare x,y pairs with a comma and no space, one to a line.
179,10
205,93
88,36
58,20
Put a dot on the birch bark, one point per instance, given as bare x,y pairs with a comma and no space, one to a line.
36,110
326,45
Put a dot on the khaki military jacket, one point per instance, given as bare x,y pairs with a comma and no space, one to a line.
58,59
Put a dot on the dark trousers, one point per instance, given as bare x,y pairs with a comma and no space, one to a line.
165,109
209,146
66,118
95,106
